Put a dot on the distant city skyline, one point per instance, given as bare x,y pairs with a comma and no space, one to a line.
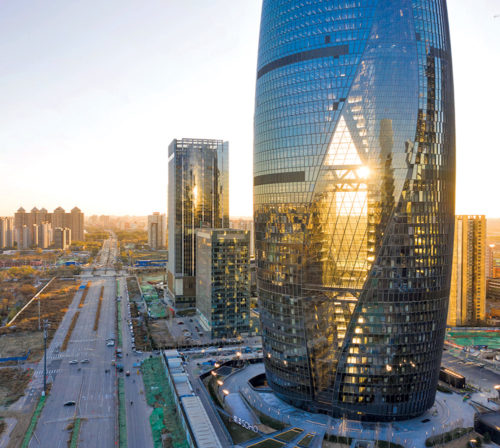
92,94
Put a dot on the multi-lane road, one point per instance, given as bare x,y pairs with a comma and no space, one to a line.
138,428
92,385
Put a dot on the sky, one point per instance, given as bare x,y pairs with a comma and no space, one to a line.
92,93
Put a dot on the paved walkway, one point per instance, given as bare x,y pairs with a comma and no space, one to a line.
449,411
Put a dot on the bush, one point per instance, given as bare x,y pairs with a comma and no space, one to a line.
447,436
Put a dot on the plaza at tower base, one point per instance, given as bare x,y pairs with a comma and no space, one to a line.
354,191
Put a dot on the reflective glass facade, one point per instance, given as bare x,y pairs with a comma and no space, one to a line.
354,178
198,196
223,281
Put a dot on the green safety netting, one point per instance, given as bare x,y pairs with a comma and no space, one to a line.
471,338
159,395
156,421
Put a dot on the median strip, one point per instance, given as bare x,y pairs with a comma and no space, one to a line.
84,295
34,421
75,432
72,325
119,322
98,312
122,415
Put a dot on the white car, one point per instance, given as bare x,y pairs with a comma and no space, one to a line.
74,361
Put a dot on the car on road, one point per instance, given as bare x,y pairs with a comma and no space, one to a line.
69,403
180,323
84,361
127,373
74,361
110,344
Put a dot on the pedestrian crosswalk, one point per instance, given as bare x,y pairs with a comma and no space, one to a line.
39,372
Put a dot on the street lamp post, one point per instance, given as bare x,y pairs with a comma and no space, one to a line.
46,325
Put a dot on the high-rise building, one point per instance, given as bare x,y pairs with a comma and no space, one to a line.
198,196
44,235
34,230
20,218
62,237
74,221
223,281
354,184
489,261
468,280
58,218
6,232
24,238
245,224
157,231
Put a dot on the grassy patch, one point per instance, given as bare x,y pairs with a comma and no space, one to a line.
443,389
75,432
122,414
238,433
269,421
384,444
119,322
306,441
188,312
447,436
338,439
268,443
34,421
289,435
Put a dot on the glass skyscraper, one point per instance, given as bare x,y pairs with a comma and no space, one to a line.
354,184
198,196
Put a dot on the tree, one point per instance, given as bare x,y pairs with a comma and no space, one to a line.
27,290
21,272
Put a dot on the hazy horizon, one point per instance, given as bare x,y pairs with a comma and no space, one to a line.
93,93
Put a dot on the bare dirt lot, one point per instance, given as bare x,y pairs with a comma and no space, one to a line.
24,334
13,382
159,333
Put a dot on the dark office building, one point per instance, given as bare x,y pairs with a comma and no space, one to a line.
354,191
198,196
223,281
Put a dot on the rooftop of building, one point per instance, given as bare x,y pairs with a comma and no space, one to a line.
201,427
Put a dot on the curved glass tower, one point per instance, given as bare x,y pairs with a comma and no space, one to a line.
354,179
